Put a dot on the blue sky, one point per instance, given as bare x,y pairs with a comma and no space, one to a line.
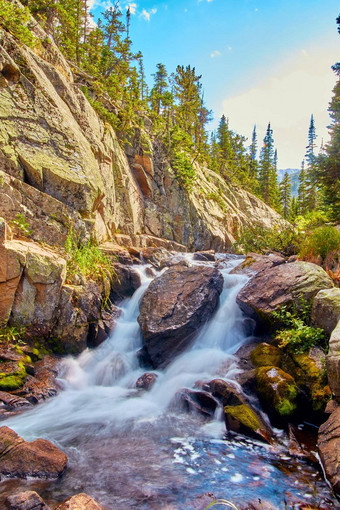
260,60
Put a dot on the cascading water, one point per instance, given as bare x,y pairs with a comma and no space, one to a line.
125,448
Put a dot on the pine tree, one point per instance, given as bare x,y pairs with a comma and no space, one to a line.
159,89
302,191
253,167
311,173
294,209
266,166
286,195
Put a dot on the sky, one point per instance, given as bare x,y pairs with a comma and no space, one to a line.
261,60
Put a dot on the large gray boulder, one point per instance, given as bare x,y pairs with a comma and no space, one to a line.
333,362
326,309
284,284
174,307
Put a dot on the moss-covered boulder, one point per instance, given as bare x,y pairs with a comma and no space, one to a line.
326,309
244,419
278,392
265,355
284,284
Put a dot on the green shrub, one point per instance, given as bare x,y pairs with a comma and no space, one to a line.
256,238
87,259
322,242
14,18
184,170
21,224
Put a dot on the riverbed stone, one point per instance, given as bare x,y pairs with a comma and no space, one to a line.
329,449
326,309
285,284
26,500
80,501
174,307
199,402
146,381
256,262
125,282
244,419
23,459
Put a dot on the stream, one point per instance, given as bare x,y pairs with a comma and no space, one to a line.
126,448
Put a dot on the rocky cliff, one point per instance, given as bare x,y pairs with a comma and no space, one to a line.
61,165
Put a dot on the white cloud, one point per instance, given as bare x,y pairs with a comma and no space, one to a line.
229,48
215,53
132,7
287,99
147,14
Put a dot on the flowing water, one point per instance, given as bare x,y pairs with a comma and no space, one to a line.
125,447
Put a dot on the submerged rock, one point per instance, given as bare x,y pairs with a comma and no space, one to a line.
329,449
80,501
27,500
174,307
200,402
146,381
284,284
23,459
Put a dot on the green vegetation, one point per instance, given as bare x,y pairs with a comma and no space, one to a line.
222,502
87,259
21,224
14,18
14,380
323,242
294,332
256,238
12,334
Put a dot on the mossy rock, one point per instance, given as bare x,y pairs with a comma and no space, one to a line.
278,391
13,381
265,355
245,420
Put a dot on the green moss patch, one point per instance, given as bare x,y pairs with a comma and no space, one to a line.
244,415
277,389
266,355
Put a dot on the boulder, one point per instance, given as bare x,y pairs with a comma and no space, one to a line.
333,362
244,419
265,355
277,391
125,282
281,285
23,459
174,307
27,500
227,393
155,256
43,384
199,402
79,502
255,262
329,449
146,381
326,309
208,255
13,401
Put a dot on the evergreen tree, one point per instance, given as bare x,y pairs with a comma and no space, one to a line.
253,167
159,89
294,209
266,167
302,191
286,195
311,174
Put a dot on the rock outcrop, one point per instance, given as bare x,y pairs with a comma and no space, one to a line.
333,362
329,448
23,459
80,502
280,285
326,309
27,500
174,307
60,164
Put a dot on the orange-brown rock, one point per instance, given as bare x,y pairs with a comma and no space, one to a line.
27,500
329,449
23,459
174,307
79,502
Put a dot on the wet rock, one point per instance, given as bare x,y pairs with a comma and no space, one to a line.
23,459
278,392
265,355
326,309
80,502
281,285
244,419
247,380
302,443
174,307
150,272
200,402
155,256
125,282
208,255
226,392
255,262
329,449
146,381
333,362
27,500
43,384
13,401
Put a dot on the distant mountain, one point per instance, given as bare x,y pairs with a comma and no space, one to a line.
294,178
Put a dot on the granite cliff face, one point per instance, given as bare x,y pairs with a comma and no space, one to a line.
61,165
